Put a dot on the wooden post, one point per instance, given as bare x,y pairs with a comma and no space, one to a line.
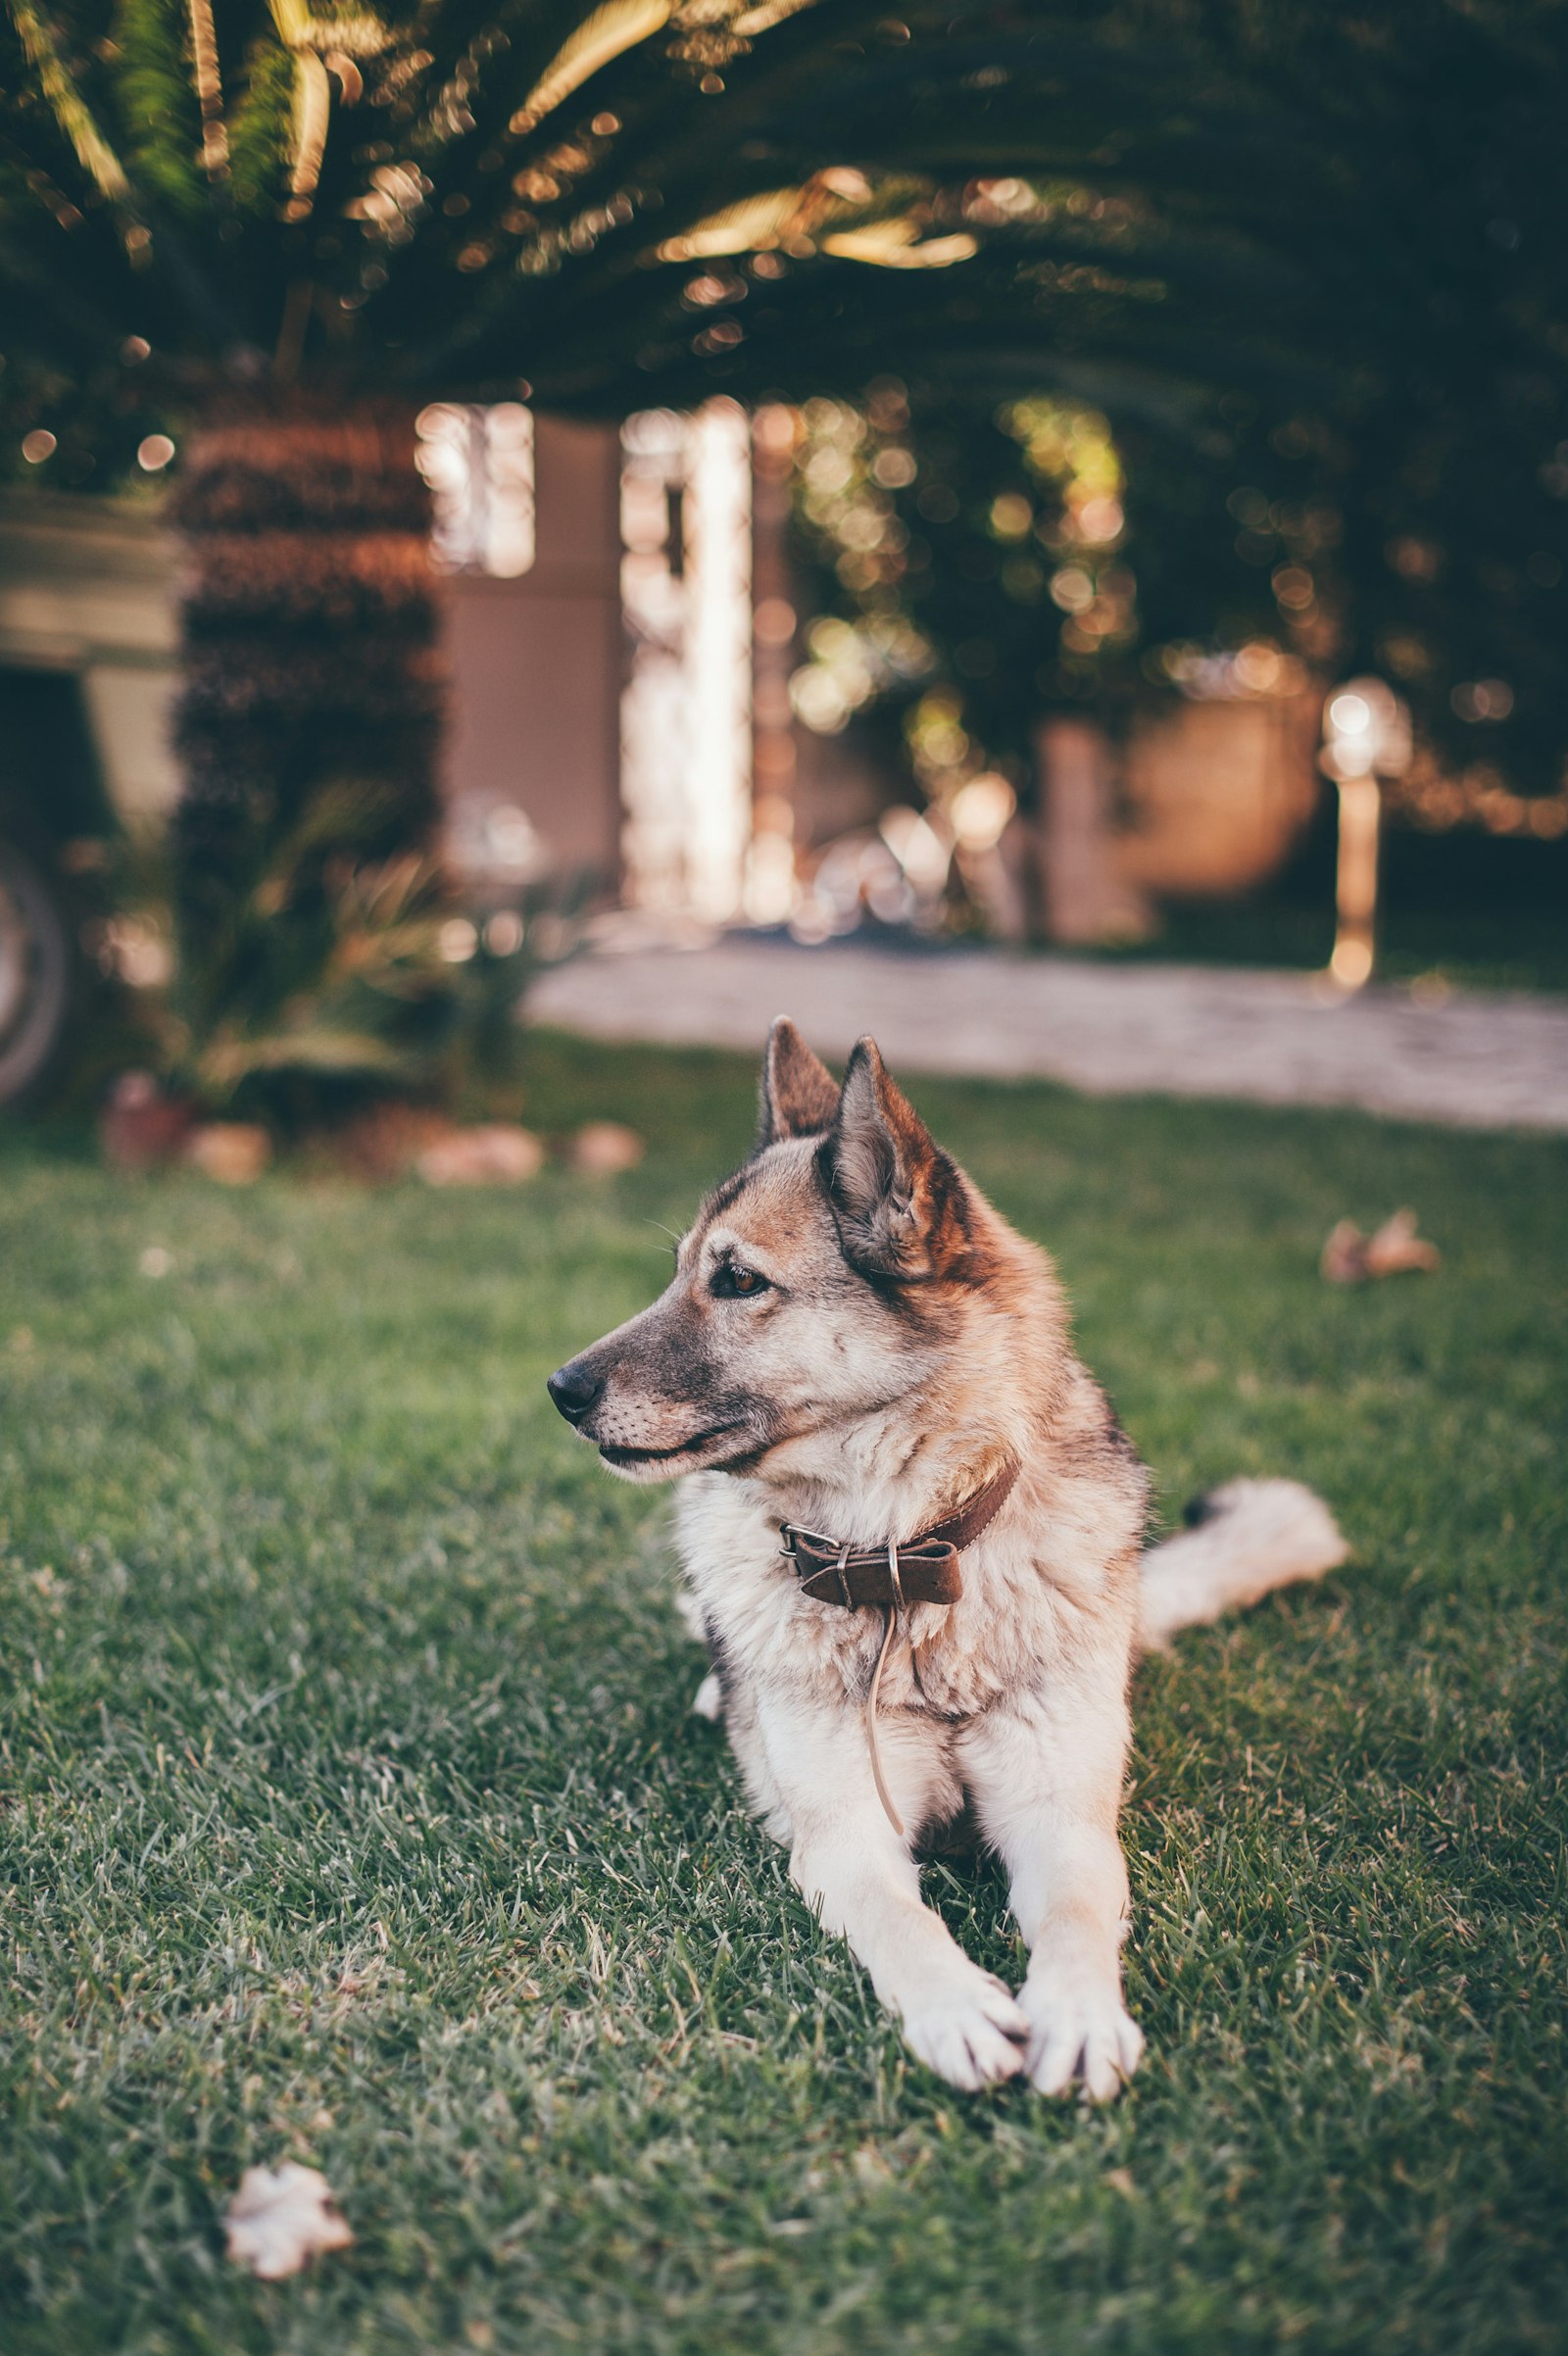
1356,882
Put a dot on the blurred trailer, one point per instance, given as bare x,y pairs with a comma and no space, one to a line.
88,639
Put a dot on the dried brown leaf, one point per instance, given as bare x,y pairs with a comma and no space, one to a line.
1344,1260
1397,1246
281,2218
1350,1258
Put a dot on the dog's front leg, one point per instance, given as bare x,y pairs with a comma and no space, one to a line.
858,1877
1047,1782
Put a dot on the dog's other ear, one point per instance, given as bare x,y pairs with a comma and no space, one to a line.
798,1095
902,1206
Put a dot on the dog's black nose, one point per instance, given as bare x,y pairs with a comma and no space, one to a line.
573,1391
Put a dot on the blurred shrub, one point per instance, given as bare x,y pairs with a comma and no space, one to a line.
334,979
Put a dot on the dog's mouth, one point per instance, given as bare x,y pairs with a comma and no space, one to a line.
635,1459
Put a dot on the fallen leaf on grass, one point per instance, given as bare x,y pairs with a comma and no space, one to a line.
1349,1257
281,2218
1344,1260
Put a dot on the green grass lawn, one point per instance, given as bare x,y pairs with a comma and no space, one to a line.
352,1810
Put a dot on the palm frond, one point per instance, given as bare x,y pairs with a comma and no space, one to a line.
158,103
259,130
209,87
611,29
66,102
900,244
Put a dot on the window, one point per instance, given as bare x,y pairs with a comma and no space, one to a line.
478,463
686,740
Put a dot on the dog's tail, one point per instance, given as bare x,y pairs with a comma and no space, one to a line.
1242,1541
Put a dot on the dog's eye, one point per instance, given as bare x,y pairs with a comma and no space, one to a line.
732,1283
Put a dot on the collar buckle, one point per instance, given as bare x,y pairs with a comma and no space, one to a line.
792,1536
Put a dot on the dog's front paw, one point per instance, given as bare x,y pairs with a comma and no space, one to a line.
966,2027
1080,2035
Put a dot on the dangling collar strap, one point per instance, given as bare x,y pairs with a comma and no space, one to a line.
890,1576
924,1570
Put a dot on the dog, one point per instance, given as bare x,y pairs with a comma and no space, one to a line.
911,1531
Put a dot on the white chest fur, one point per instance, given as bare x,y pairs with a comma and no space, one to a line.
1046,1578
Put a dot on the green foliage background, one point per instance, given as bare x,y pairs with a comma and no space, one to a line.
1338,227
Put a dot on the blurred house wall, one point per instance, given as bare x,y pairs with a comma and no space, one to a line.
1216,794
536,662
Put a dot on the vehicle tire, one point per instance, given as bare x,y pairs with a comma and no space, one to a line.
36,972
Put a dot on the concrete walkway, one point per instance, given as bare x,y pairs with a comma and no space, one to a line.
1473,1061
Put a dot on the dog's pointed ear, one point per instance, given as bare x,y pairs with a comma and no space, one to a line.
798,1095
902,1206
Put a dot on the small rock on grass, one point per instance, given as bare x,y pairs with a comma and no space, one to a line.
234,1153
385,1140
601,1149
494,1154
282,2218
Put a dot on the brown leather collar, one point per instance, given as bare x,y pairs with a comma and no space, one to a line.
925,1570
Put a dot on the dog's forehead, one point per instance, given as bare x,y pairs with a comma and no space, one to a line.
773,1199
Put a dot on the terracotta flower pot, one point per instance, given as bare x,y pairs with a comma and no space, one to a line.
140,1127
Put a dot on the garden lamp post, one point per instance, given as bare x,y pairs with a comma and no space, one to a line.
1366,737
